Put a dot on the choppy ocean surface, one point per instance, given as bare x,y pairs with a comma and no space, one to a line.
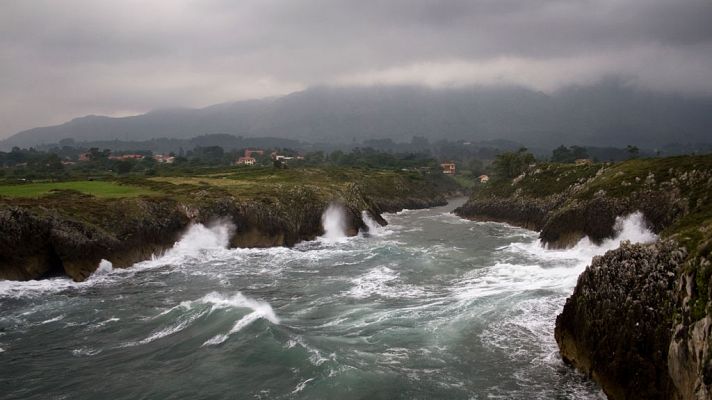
429,307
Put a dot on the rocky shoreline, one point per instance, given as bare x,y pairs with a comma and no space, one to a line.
640,319
68,233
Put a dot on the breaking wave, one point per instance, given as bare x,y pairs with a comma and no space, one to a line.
260,310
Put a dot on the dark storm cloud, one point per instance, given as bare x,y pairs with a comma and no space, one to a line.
69,58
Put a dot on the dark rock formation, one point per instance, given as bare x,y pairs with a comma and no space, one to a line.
565,213
72,234
525,213
690,351
616,325
640,319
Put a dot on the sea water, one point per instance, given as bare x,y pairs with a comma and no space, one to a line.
429,307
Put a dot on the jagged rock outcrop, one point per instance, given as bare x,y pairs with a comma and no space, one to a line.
640,319
580,206
616,325
525,213
690,352
35,243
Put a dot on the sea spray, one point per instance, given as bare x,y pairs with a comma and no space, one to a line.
200,237
631,227
564,265
374,228
105,267
334,222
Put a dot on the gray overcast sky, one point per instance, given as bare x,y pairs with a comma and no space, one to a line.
62,59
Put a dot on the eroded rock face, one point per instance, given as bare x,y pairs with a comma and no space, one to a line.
639,321
525,213
616,325
40,241
35,243
690,352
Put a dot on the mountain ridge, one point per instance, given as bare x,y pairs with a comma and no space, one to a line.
609,112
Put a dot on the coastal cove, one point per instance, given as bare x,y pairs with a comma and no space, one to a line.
393,200
367,284
430,305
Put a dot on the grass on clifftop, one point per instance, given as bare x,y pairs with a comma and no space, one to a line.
541,180
249,183
616,180
102,189
243,183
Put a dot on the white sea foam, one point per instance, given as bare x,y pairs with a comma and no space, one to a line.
198,242
260,309
374,228
105,267
301,386
526,330
315,356
373,282
200,237
529,266
238,300
631,228
184,320
384,282
334,222
36,288
55,319
85,351
112,319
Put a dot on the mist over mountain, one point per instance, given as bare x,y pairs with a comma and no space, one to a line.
609,113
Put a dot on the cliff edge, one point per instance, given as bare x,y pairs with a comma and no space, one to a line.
69,233
640,318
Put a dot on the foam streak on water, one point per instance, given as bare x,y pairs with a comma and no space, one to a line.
430,307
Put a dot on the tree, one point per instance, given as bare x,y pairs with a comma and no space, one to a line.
123,167
562,154
476,167
633,151
579,152
509,165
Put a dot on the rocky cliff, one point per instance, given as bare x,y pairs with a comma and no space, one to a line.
68,233
640,318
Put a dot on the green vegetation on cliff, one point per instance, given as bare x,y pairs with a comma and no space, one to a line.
674,193
92,188
640,319
68,227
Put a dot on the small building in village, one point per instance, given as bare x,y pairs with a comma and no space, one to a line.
246,161
247,158
448,168
483,178
164,159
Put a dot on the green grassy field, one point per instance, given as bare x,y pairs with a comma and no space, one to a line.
94,188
